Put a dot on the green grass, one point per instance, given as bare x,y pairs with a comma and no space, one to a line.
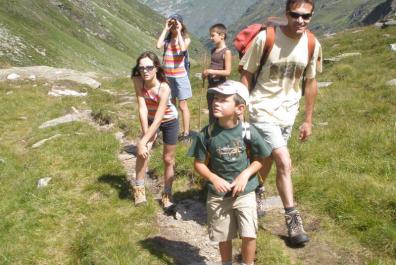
344,175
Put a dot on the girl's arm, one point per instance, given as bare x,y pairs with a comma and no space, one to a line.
227,64
161,39
142,108
164,97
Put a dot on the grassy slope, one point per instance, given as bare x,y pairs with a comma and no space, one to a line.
94,35
344,174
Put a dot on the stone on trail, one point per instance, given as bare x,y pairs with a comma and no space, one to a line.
13,77
43,182
393,47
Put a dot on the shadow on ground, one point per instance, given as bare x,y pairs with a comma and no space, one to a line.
181,252
118,182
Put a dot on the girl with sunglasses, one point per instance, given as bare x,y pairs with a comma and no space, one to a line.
156,112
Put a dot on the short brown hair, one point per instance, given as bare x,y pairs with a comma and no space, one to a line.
220,29
291,3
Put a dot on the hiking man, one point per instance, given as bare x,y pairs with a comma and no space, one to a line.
275,98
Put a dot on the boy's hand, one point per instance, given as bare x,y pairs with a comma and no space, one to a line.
221,185
205,73
239,183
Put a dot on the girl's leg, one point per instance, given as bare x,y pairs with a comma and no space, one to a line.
186,116
139,193
248,250
169,162
226,251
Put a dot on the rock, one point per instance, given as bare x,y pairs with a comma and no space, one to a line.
198,75
357,31
390,23
41,142
85,115
322,124
50,74
342,56
324,84
379,25
22,118
32,77
43,182
391,82
13,77
273,203
9,93
66,92
119,136
386,35
393,47
2,161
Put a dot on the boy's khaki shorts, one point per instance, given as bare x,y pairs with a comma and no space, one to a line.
229,217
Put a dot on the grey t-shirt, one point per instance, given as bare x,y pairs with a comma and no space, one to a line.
227,151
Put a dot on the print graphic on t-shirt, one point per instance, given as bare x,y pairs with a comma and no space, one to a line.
231,151
286,70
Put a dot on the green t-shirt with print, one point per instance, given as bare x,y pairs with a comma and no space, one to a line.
227,151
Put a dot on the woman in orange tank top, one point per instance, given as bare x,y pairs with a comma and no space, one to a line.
156,112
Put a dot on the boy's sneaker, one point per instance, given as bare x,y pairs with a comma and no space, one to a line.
296,232
139,195
166,200
260,200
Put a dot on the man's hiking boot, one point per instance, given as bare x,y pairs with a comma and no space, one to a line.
296,232
260,200
166,201
139,195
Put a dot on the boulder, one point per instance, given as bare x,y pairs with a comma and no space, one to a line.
391,82
13,77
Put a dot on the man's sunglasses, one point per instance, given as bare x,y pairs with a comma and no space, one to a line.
147,68
296,15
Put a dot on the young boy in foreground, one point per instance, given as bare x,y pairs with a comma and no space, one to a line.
221,157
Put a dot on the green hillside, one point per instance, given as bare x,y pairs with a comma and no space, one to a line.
85,35
330,15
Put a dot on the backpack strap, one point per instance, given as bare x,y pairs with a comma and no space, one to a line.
311,49
246,135
208,133
269,43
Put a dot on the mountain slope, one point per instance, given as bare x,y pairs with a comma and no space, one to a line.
330,15
200,15
86,35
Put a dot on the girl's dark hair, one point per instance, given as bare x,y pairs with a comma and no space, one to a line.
153,57
291,3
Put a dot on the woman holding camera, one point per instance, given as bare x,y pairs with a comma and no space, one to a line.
175,41
156,112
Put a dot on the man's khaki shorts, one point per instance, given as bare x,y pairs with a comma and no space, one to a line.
229,217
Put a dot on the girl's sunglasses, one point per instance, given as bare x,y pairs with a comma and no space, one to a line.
146,68
296,15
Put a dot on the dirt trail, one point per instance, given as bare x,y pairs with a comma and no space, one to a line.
184,237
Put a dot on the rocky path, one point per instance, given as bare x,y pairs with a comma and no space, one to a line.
183,236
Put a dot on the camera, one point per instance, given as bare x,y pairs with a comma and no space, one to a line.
172,23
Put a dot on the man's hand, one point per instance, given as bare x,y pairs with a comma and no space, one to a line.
221,185
305,131
239,183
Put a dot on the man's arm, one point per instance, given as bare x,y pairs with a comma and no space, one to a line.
246,78
311,91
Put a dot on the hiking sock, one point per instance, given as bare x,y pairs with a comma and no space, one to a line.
289,209
139,182
168,189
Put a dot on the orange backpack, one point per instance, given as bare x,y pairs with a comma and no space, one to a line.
244,38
